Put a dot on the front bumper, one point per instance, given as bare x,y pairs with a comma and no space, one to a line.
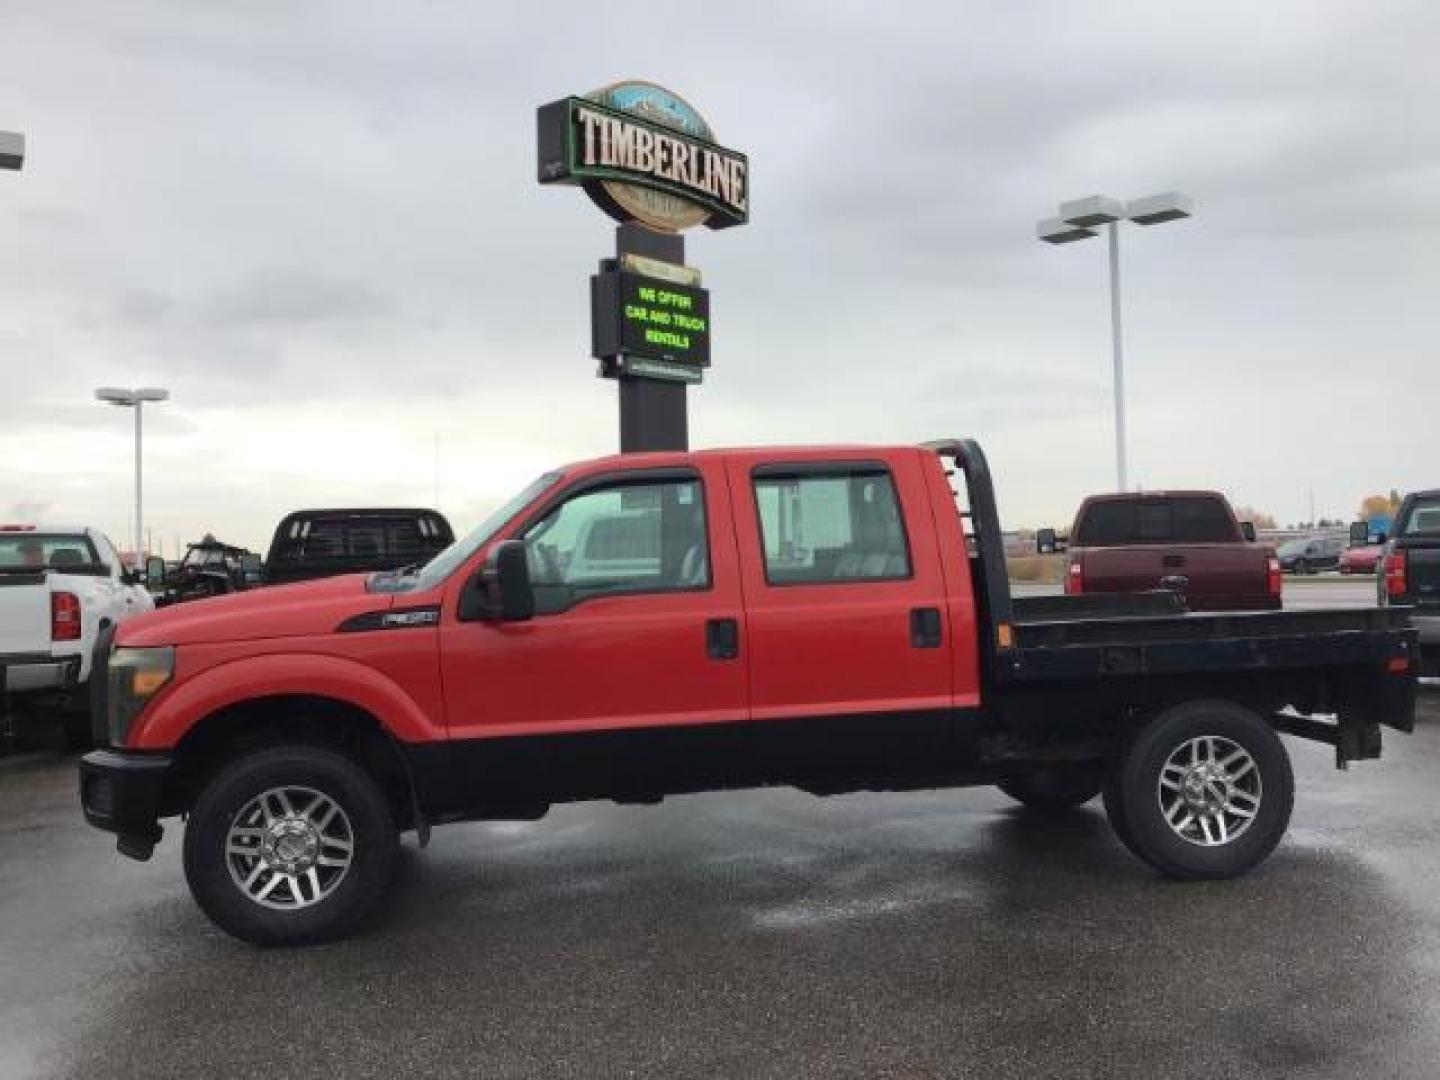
122,792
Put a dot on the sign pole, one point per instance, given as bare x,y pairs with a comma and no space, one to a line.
652,413
650,161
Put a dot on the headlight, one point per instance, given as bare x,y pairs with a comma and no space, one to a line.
135,676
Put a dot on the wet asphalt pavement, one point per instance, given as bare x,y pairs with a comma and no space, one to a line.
756,934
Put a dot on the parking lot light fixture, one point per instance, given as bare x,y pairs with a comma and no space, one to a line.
1093,210
1156,209
1060,231
135,399
1081,219
12,150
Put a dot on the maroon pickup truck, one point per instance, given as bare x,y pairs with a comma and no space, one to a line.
1187,542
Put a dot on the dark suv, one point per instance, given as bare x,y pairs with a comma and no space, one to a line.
323,543
1307,554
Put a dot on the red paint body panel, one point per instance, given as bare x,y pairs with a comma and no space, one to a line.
392,674
1361,560
610,662
301,610
822,649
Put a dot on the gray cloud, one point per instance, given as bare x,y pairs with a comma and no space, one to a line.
300,213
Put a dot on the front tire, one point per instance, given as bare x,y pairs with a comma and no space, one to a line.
290,845
1204,791
1054,788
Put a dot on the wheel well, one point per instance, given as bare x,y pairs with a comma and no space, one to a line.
271,721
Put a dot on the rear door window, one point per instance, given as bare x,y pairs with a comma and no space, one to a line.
836,527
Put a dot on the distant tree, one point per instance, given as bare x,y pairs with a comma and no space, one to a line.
1262,520
1374,505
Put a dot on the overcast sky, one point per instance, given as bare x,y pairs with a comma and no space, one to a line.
318,225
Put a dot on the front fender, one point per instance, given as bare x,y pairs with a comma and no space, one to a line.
179,708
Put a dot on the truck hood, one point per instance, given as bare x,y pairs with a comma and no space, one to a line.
308,607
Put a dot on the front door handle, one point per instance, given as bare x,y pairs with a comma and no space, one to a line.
722,639
1172,561
925,628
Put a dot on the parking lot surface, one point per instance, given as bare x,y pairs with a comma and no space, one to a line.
756,934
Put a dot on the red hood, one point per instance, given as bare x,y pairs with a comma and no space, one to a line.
308,607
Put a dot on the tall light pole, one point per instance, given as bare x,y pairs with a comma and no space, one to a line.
134,399
1078,221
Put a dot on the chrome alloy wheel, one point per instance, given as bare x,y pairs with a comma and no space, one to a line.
1209,790
289,847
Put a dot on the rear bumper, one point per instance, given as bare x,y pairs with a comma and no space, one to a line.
121,792
1251,602
24,672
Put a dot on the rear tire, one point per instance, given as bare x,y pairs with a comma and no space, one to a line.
1203,791
1054,788
290,845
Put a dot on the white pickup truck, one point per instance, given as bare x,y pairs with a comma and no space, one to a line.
60,589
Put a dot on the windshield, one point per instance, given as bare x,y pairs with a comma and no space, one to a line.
445,563
1292,547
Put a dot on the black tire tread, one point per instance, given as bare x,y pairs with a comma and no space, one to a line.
328,770
1144,830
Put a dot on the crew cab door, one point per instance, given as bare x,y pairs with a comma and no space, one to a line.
638,620
845,602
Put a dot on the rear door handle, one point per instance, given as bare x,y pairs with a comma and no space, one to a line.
925,628
1172,560
722,639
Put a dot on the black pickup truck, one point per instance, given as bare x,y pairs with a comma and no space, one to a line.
311,544
1410,571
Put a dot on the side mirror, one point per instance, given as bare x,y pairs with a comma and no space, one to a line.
501,592
1045,541
155,572
1247,530
252,569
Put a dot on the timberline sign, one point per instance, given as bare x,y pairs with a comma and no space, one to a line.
644,154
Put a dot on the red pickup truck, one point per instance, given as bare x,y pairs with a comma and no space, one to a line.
650,624
1186,542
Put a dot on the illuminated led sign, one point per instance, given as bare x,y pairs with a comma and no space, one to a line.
650,327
